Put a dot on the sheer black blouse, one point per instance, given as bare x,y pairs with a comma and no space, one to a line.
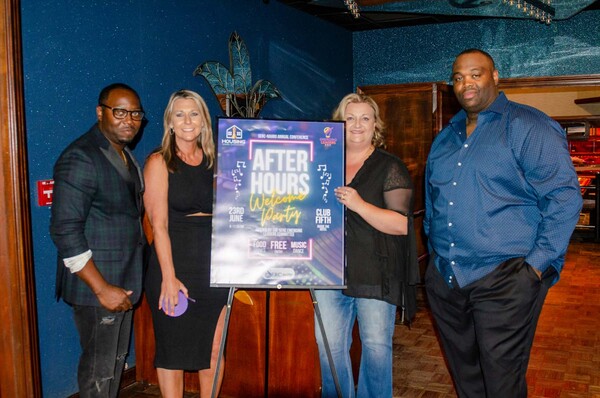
379,265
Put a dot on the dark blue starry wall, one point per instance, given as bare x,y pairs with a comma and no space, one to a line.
73,48
519,47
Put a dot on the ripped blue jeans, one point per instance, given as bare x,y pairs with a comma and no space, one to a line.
104,338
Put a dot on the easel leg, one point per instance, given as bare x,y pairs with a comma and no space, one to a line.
325,343
223,338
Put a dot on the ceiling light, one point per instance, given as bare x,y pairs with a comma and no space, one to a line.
353,8
541,10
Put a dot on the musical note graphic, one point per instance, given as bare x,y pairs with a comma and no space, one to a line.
237,173
326,178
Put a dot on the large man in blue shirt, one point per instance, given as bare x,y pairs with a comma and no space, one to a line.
502,200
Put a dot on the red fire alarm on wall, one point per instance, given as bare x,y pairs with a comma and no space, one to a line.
44,191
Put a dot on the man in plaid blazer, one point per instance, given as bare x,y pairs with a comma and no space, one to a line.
96,227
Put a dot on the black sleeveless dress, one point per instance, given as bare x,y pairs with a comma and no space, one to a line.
185,342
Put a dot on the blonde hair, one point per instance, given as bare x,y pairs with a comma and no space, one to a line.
168,148
378,140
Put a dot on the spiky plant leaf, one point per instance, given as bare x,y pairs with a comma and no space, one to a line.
239,59
217,75
266,89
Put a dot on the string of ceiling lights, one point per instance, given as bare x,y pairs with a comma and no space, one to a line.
353,8
541,10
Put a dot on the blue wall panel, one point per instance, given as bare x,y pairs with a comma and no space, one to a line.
73,48
519,47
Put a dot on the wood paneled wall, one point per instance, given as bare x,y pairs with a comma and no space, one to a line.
271,349
413,115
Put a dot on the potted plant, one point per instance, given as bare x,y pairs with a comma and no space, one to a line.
233,87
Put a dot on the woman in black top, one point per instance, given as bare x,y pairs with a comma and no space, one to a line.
381,260
178,200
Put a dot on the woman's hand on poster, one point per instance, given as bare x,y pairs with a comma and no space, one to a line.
348,197
169,294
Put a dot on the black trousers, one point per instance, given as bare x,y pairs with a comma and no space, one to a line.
487,328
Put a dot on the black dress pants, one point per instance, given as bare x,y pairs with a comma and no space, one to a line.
487,327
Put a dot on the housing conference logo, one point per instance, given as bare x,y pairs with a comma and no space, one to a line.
234,136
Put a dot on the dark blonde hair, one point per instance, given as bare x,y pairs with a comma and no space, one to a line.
378,140
168,148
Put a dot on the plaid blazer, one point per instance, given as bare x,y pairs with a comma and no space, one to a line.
97,205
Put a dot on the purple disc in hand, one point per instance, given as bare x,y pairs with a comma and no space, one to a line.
179,309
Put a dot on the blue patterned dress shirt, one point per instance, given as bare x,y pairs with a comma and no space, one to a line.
508,190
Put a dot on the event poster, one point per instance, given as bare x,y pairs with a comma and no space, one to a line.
276,221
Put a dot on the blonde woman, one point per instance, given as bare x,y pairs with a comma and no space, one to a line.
381,260
178,201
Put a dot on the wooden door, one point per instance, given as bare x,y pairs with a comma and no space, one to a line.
413,115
